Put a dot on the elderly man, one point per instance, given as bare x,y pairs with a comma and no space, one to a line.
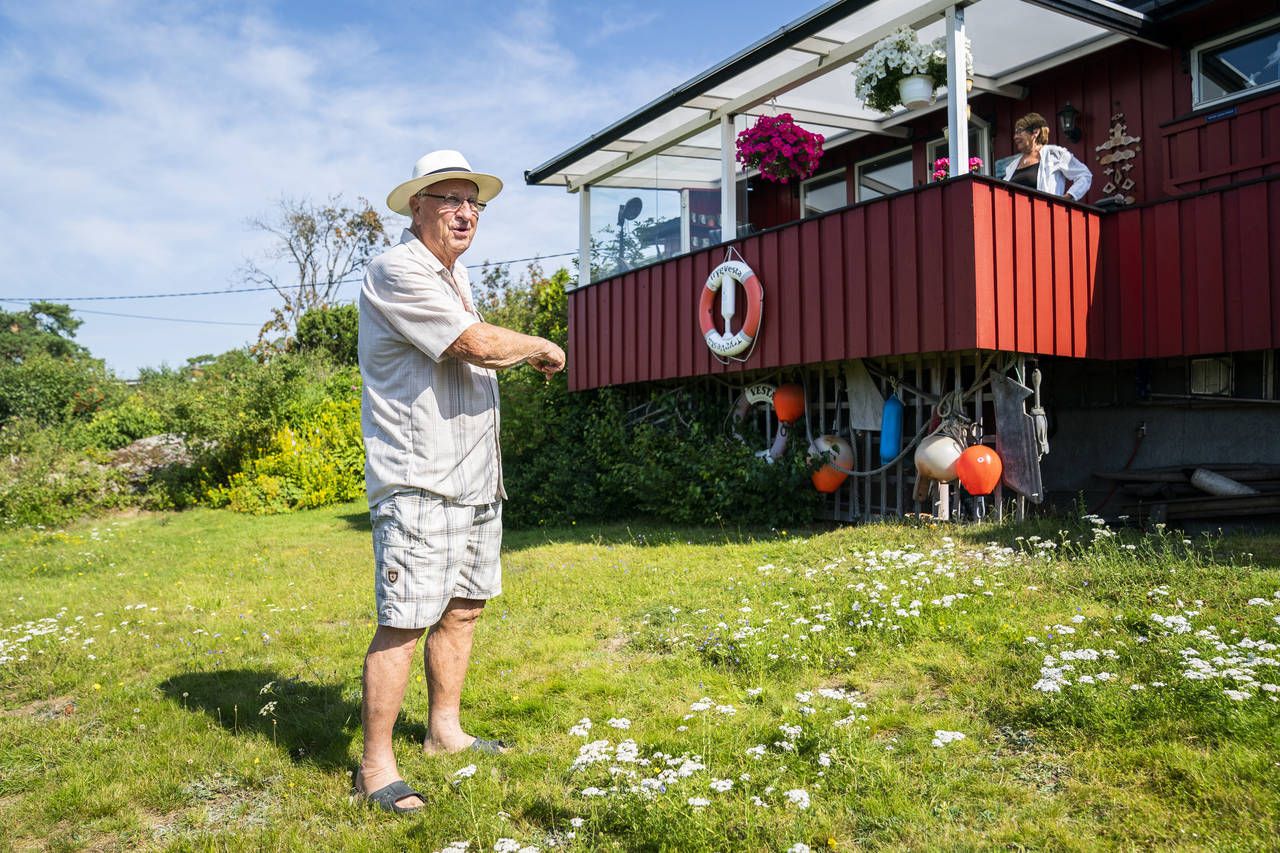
433,466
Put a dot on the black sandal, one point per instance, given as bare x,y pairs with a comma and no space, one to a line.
387,797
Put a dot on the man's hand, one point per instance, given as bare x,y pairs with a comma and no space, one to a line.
549,362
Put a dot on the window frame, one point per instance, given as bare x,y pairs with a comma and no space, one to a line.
1198,100
935,148
804,189
861,165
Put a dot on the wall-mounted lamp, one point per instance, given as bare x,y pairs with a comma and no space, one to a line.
1067,118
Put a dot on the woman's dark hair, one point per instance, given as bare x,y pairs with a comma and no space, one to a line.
1035,123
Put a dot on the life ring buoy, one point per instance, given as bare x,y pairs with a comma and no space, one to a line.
729,343
752,395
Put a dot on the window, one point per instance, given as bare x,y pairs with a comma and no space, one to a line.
1241,63
823,192
883,175
979,146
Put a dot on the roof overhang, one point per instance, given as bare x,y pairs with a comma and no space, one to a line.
797,69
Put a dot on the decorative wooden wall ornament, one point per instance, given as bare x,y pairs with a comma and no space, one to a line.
1121,150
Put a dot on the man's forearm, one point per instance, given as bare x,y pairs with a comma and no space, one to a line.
487,345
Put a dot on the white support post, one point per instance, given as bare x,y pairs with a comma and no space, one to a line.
957,93
728,180
584,236
685,222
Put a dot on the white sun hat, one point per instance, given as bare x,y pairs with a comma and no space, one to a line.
439,166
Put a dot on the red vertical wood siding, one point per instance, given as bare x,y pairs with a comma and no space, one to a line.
969,263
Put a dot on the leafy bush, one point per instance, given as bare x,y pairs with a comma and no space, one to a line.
44,480
702,476
52,389
231,406
334,330
316,462
136,416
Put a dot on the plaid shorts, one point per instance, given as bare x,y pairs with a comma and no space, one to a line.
428,550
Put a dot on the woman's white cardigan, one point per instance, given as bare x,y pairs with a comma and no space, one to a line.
1057,166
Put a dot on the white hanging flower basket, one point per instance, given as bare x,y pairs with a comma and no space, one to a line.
916,91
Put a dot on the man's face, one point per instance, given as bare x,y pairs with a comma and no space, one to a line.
444,229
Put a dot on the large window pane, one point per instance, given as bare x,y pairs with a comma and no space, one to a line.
1251,61
884,175
824,192
657,208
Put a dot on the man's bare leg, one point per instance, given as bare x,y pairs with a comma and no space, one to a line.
447,655
386,674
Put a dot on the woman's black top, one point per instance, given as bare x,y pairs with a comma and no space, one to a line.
1026,176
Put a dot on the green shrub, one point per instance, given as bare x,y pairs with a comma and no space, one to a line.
702,476
44,479
319,461
229,407
136,416
51,389
334,330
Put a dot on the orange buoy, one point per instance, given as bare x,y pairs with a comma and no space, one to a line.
788,402
979,469
827,478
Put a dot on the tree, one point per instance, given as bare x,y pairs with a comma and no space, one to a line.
44,327
324,246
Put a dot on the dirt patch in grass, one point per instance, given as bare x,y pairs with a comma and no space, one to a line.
58,708
1043,771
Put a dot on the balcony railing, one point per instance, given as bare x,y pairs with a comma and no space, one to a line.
968,263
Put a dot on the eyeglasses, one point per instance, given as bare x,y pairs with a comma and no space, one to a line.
453,202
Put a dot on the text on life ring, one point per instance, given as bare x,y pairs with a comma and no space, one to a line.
728,342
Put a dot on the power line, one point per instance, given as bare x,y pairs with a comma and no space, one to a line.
240,289
170,319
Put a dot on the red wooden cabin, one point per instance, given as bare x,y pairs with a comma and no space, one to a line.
1153,307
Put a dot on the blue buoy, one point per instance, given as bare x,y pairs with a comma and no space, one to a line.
891,430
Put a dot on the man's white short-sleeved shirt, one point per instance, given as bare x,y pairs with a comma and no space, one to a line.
430,422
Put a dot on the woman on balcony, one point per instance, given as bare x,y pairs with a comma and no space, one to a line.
1042,166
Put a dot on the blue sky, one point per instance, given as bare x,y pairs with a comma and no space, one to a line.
140,137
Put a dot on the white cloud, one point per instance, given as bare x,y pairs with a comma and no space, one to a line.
143,137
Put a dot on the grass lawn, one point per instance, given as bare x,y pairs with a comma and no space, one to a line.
190,681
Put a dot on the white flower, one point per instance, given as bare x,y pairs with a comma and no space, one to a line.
799,798
754,691
721,785
757,751
581,729
619,722
594,792
942,737
699,802
506,845
465,772
824,758
799,847
575,822
728,710
1237,695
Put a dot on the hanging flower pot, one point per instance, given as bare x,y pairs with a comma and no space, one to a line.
781,149
916,91
884,75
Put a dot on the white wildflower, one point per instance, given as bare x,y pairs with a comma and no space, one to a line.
799,798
